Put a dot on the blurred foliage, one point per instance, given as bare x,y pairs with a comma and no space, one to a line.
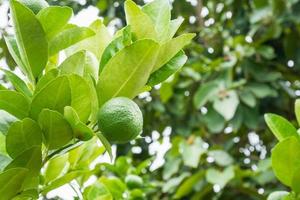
244,63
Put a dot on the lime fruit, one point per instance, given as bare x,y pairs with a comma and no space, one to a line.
120,120
133,181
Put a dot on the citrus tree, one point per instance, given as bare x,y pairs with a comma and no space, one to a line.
73,98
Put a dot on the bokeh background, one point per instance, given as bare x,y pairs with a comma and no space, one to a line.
204,133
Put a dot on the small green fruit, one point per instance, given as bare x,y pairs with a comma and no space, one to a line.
120,120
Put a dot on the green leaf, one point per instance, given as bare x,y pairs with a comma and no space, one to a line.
54,19
262,90
14,103
220,178
27,195
204,93
55,168
35,5
168,69
57,131
13,49
141,24
82,63
227,105
95,44
222,158
64,180
128,71
80,97
4,161
49,76
30,159
67,38
248,98
80,130
114,185
106,144
6,120
213,120
187,186
27,27
174,26
296,181
97,191
11,182
160,13
115,46
171,184
55,96
23,135
278,195
285,162
191,153
280,127
18,83
297,110
170,48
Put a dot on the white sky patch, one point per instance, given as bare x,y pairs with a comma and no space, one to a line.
86,16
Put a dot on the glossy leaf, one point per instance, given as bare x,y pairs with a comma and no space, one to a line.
168,69
35,5
55,96
57,131
170,48
14,103
27,27
11,182
55,167
141,24
54,19
128,71
97,191
297,110
285,162
67,38
280,127
23,135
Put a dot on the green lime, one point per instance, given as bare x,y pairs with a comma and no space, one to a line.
133,181
120,120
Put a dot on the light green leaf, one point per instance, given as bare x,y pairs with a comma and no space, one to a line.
55,167
81,99
297,110
106,144
168,69
82,63
262,90
64,180
57,131
35,5
6,120
67,38
278,195
54,19
285,159
171,184
174,26
114,185
128,71
4,161
14,103
227,105
204,93
97,191
160,13
170,48
191,153
115,46
30,37
27,195
280,127
95,44
141,24
45,79
80,130
296,181
55,96
30,159
248,98
222,158
13,49
18,83
23,135
221,178
11,182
